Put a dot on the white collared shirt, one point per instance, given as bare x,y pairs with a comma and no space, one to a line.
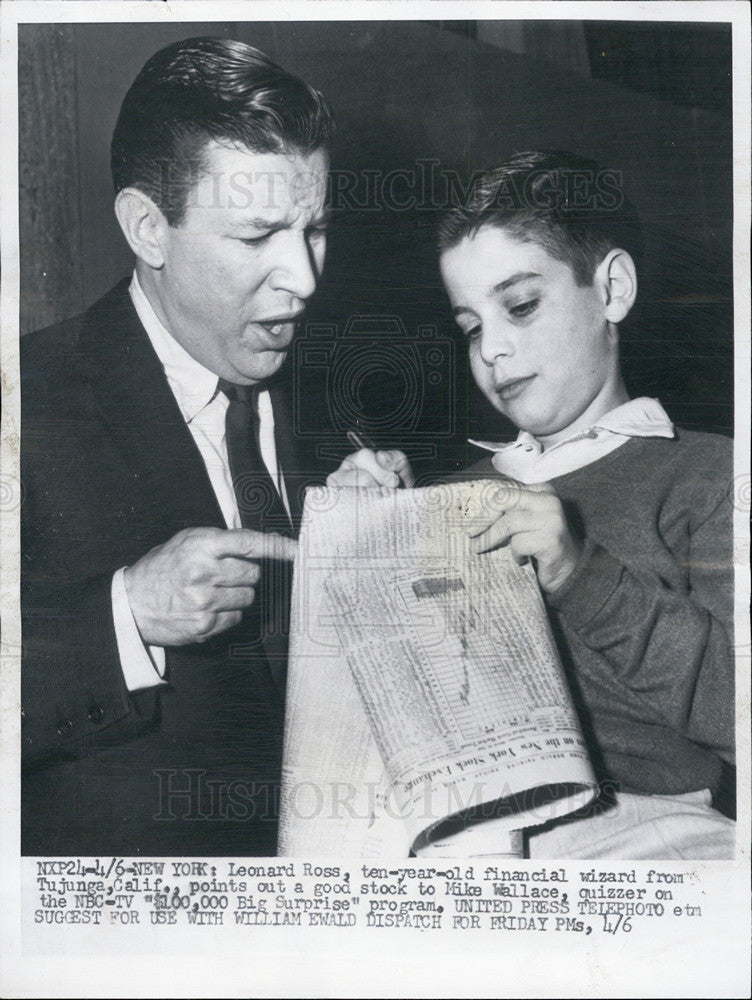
525,460
204,410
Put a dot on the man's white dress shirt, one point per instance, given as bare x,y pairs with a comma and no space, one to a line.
204,410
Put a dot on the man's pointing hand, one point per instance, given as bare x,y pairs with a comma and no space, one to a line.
197,584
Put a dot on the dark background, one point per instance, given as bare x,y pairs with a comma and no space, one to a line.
380,352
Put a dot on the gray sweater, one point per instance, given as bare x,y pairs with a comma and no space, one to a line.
644,624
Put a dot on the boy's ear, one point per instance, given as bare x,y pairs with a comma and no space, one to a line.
143,225
616,275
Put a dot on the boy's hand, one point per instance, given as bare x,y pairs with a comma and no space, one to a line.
531,519
373,468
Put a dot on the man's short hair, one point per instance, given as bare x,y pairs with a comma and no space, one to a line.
204,89
570,206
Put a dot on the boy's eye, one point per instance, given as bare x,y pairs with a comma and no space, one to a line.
473,333
523,309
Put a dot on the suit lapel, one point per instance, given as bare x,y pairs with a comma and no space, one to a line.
145,422
143,417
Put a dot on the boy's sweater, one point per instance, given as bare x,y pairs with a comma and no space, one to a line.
644,624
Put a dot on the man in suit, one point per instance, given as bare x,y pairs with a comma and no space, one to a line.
161,486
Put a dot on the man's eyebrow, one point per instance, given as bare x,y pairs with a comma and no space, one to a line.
241,225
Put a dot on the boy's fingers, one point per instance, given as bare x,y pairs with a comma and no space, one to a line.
519,522
367,460
492,505
365,478
520,498
397,462
492,537
524,540
366,468
361,478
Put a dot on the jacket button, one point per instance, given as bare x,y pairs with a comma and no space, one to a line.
65,727
95,714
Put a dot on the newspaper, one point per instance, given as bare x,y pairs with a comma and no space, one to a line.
425,693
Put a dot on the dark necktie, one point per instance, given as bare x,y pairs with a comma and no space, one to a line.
259,504
261,508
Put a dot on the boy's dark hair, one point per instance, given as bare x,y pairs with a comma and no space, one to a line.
570,206
204,89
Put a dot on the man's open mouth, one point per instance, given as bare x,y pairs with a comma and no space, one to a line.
279,327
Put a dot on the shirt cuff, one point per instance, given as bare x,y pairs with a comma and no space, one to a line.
143,666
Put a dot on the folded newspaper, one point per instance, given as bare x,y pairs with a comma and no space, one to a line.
427,709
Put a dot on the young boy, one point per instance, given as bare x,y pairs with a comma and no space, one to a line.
627,519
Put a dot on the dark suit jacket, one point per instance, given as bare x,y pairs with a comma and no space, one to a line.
110,470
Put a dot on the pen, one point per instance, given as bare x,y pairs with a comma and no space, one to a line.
358,440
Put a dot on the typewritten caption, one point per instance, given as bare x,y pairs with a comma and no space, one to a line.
455,897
